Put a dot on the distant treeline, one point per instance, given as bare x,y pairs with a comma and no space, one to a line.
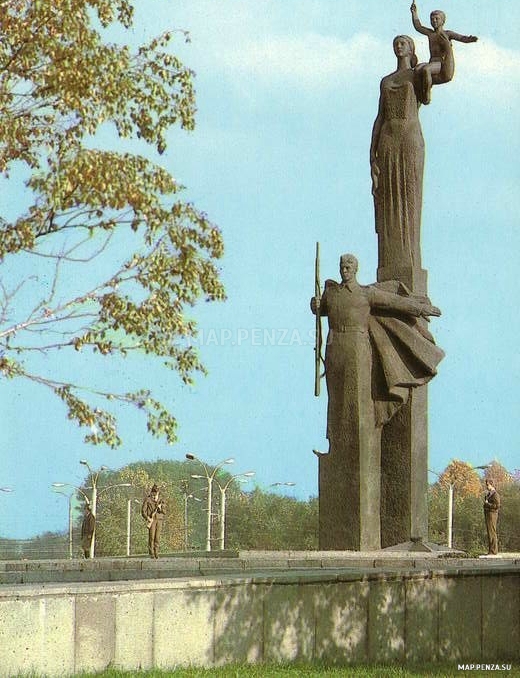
257,518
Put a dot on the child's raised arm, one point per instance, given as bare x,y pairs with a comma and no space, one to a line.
416,22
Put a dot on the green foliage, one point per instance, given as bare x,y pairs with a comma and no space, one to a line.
112,510
437,514
509,518
260,520
469,530
60,79
63,83
49,545
254,520
263,520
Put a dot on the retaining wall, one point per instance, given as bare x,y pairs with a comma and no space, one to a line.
340,615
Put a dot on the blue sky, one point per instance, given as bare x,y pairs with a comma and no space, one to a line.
287,95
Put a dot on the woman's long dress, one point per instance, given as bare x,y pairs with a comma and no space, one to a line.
400,158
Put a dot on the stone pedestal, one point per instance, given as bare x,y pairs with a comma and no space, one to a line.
349,495
404,480
404,449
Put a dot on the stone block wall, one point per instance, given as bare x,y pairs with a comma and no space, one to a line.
338,616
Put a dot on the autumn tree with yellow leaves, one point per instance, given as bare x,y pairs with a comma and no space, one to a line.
468,486
98,250
500,476
463,477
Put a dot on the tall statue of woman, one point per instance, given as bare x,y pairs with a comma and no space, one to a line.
397,161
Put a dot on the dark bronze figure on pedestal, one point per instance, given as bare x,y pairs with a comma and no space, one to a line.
376,351
397,162
379,355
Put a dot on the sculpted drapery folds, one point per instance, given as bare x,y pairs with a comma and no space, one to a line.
397,146
377,349
397,161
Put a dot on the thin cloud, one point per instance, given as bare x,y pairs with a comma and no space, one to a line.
489,71
316,61
307,61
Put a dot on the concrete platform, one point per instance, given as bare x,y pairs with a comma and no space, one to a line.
186,565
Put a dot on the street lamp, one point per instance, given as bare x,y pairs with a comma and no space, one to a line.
93,502
451,487
243,478
186,495
128,518
69,496
77,489
209,477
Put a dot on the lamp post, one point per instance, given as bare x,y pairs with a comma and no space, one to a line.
209,477
451,487
242,477
184,487
128,522
94,476
186,532
69,499
77,489
93,502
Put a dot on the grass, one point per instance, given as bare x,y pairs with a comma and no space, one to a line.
304,670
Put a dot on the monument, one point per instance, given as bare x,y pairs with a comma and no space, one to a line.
379,354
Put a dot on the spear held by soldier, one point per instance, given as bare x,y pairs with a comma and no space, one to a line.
317,347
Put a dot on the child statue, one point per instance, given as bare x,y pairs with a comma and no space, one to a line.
441,66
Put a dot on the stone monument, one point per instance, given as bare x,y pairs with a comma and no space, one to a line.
377,352
379,355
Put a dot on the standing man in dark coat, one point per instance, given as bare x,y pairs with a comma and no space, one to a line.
491,506
87,530
153,513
